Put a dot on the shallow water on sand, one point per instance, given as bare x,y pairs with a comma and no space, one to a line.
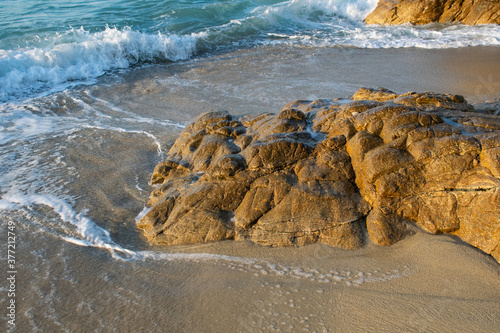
74,176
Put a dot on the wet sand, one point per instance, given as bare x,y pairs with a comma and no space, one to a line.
265,79
425,283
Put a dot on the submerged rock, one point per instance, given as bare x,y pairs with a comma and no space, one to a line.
469,12
333,173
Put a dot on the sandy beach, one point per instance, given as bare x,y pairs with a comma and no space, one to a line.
425,283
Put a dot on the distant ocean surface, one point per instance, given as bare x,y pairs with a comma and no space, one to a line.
49,46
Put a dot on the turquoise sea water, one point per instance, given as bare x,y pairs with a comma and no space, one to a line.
48,46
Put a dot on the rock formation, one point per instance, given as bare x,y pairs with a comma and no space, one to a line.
333,172
428,11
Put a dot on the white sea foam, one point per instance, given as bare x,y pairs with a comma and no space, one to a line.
132,117
327,23
88,233
79,55
91,233
355,10
159,149
33,119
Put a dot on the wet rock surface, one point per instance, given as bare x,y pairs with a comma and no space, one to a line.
334,172
469,12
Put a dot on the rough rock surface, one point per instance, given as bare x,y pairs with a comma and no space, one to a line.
333,172
428,11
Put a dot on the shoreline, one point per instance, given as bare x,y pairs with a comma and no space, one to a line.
265,79
440,283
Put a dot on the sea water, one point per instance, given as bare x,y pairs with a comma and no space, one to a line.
93,94
46,46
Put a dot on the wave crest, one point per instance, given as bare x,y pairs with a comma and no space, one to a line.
79,55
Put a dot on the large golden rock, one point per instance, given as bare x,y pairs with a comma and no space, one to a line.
333,172
469,12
